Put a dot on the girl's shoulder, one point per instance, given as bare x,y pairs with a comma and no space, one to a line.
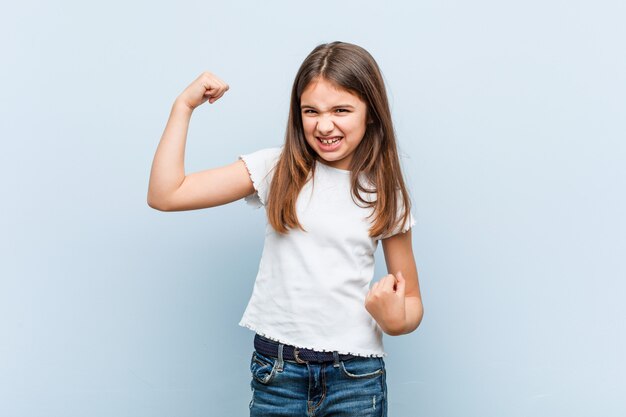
260,165
264,154
262,161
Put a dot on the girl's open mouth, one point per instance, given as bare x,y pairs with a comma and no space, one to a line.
329,143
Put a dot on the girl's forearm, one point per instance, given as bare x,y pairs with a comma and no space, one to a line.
414,314
168,166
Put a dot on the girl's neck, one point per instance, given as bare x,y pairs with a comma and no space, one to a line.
325,165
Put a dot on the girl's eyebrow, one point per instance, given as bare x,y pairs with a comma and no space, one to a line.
309,106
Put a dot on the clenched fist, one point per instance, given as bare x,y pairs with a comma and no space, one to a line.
385,302
206,87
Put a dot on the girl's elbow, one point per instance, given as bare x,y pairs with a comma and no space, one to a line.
157,204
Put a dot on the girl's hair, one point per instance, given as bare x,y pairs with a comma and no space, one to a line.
353,69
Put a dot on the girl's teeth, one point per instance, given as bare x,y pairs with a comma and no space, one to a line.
330,141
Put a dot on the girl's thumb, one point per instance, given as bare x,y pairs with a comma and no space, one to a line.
400,282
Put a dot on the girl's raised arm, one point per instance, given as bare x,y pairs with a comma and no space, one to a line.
170,189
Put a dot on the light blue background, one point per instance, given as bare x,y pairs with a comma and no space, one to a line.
511,121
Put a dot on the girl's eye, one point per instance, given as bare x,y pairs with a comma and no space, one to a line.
308,111
342,110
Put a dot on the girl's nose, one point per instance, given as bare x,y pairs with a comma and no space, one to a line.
325,125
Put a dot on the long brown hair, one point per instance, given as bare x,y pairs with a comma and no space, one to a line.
353,69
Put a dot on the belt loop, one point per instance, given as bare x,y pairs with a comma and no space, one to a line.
279,364
336,359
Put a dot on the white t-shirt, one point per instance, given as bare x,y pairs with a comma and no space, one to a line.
311,286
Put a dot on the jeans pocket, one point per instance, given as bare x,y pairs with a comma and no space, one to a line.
263,368
358,368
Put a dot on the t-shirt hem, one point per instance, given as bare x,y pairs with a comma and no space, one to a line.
255,329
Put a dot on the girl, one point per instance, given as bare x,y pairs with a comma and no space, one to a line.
331,193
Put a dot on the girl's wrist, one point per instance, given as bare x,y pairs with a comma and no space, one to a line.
181,105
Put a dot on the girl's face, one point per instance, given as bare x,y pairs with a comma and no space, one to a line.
334,122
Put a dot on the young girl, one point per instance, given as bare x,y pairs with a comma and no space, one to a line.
331,193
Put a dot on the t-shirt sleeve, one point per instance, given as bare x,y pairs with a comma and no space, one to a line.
400,227
260,166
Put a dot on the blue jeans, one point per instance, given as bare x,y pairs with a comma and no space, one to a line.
355,387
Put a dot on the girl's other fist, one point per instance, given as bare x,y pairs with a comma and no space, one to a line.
206,87
385,302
